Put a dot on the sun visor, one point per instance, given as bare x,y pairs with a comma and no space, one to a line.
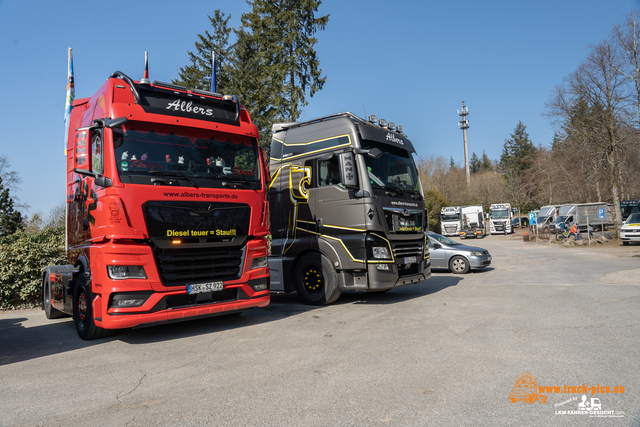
386,136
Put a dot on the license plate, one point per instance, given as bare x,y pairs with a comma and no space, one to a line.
204,287
410,260
634,238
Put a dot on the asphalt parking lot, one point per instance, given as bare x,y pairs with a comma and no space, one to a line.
447,351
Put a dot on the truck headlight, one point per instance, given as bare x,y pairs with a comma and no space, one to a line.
381,253
121,272
259,262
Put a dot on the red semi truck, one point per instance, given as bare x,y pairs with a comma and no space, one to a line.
166,211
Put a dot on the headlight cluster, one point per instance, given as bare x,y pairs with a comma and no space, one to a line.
475,253
121,272
378,248
259,262
381,252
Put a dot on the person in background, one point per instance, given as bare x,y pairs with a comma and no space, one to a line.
574,231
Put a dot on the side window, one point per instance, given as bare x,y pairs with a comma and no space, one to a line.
96,153
328,172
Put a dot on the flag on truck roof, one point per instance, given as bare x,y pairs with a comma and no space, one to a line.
213,71
71,94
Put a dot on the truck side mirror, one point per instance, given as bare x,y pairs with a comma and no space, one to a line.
348,175
265,165
88,154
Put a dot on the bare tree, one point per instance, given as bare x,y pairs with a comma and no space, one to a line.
598,84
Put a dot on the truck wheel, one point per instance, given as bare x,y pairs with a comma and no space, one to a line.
459,265
316,280
49,311
83,312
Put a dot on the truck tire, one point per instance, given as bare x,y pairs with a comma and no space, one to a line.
316,280
459,265
49,311
83,312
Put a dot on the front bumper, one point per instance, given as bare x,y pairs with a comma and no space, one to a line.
483,261
630,235
160,303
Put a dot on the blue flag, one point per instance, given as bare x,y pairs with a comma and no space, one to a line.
213,71
71,94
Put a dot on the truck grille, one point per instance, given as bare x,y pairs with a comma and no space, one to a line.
450,228
178,267
406,249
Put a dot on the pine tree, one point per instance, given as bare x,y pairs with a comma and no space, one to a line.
10,219
474,163
197,75
284,30
517,151
486,163
251,82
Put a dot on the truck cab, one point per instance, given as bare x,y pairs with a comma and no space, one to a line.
451,220
166,209
347,208
500,219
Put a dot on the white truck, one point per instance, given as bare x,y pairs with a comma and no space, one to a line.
598,215
545,217
451,220
473,225
500,218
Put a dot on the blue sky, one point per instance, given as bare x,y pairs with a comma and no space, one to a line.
410,62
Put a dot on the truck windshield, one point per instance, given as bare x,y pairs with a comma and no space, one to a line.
197,155
394,170
454,217
500,214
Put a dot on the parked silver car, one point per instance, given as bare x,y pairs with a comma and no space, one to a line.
459,258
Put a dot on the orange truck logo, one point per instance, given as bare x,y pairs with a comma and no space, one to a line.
526,389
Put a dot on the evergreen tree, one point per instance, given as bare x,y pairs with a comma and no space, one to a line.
486,163
517,152
251,82
474,163
10,219
284,32
197,75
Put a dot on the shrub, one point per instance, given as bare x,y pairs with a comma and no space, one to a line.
23,256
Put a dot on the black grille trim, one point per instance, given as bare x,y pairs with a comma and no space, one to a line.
182,266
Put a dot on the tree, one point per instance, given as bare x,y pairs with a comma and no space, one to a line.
604,123
517,151
486,163
250,80
434,202
475,165
10,219
284,31
197,75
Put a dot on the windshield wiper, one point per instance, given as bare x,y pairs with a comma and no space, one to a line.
237,178
175,173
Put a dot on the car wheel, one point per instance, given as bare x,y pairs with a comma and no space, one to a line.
49,311
459,265
316,280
